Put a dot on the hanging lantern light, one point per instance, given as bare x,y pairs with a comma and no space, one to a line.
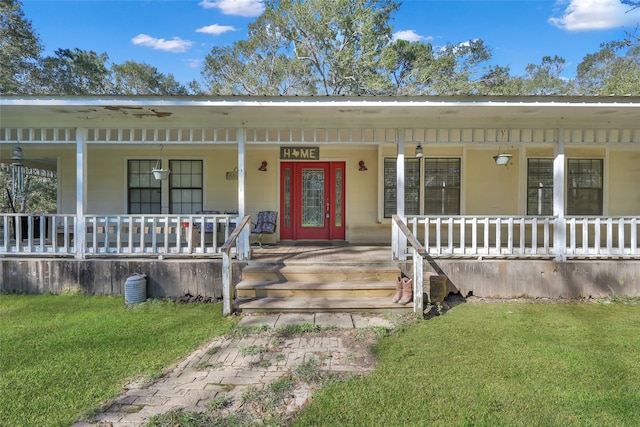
158,172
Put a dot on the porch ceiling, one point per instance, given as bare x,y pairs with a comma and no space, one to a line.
320,112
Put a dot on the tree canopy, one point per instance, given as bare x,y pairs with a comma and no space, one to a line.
311,47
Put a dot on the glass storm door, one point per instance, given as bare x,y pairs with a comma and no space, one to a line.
312,201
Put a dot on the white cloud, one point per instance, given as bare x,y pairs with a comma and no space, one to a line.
215,29
176,44
246,8
409,35
585,15
194,63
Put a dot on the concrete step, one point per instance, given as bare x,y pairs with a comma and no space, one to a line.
320,305
320,273
287,289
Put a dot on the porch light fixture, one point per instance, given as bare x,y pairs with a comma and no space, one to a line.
362,166
158,172
419,152
263,166
17,155
502,159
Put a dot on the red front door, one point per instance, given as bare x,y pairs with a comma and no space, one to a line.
312,201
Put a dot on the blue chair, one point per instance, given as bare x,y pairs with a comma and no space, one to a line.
265,224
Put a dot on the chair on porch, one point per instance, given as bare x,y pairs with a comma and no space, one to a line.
265,224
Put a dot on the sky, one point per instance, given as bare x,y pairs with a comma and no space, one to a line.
176,35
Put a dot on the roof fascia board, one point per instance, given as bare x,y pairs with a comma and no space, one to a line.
315,102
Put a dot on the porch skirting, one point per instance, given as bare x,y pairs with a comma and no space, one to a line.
176,277
541,278
165,278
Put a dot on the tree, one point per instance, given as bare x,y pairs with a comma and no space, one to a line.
401,61
75,72
613,70
255,67
133,78
20,49
544,79
307,47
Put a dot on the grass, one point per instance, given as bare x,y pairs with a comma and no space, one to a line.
503,364
63,356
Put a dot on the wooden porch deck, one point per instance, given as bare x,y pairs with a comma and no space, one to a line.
319,253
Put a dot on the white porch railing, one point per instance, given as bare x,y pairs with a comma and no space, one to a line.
115,234
37,234
603,237
526,237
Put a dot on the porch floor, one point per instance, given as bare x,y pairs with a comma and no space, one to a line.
321,254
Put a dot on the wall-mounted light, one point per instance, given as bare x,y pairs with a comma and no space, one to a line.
419,152
263,166
362,166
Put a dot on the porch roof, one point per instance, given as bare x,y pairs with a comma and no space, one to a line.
319,111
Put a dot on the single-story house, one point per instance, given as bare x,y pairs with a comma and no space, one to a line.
535,195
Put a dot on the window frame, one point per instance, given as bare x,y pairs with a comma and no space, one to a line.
415,207
598,191
164,188
530,188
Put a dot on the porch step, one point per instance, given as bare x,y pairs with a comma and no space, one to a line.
316,305
345,289
320,272
359,287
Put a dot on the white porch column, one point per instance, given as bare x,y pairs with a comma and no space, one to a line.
559,179
243,239
81,193
399,238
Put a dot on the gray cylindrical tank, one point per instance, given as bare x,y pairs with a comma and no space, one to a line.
135,289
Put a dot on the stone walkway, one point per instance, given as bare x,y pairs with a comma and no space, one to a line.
227,367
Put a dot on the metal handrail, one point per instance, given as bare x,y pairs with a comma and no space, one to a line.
227,270
419,253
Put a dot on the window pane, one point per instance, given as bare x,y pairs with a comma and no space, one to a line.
144,189
186,186
584,187
442,186
540,187
411,187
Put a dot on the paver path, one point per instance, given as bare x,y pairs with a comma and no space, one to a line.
228,367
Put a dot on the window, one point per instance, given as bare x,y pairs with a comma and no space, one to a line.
411,187
185,187
441,181
144,195
584,187
441,186
540,187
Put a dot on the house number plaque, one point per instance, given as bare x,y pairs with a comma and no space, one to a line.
299,153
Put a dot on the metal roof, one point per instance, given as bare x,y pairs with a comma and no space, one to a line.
320,111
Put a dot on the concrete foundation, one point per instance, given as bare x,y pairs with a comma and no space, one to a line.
174,278
540,278
166,278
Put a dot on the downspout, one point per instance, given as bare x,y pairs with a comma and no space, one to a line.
79,228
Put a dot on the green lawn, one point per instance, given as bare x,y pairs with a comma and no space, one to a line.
502,364
63,356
